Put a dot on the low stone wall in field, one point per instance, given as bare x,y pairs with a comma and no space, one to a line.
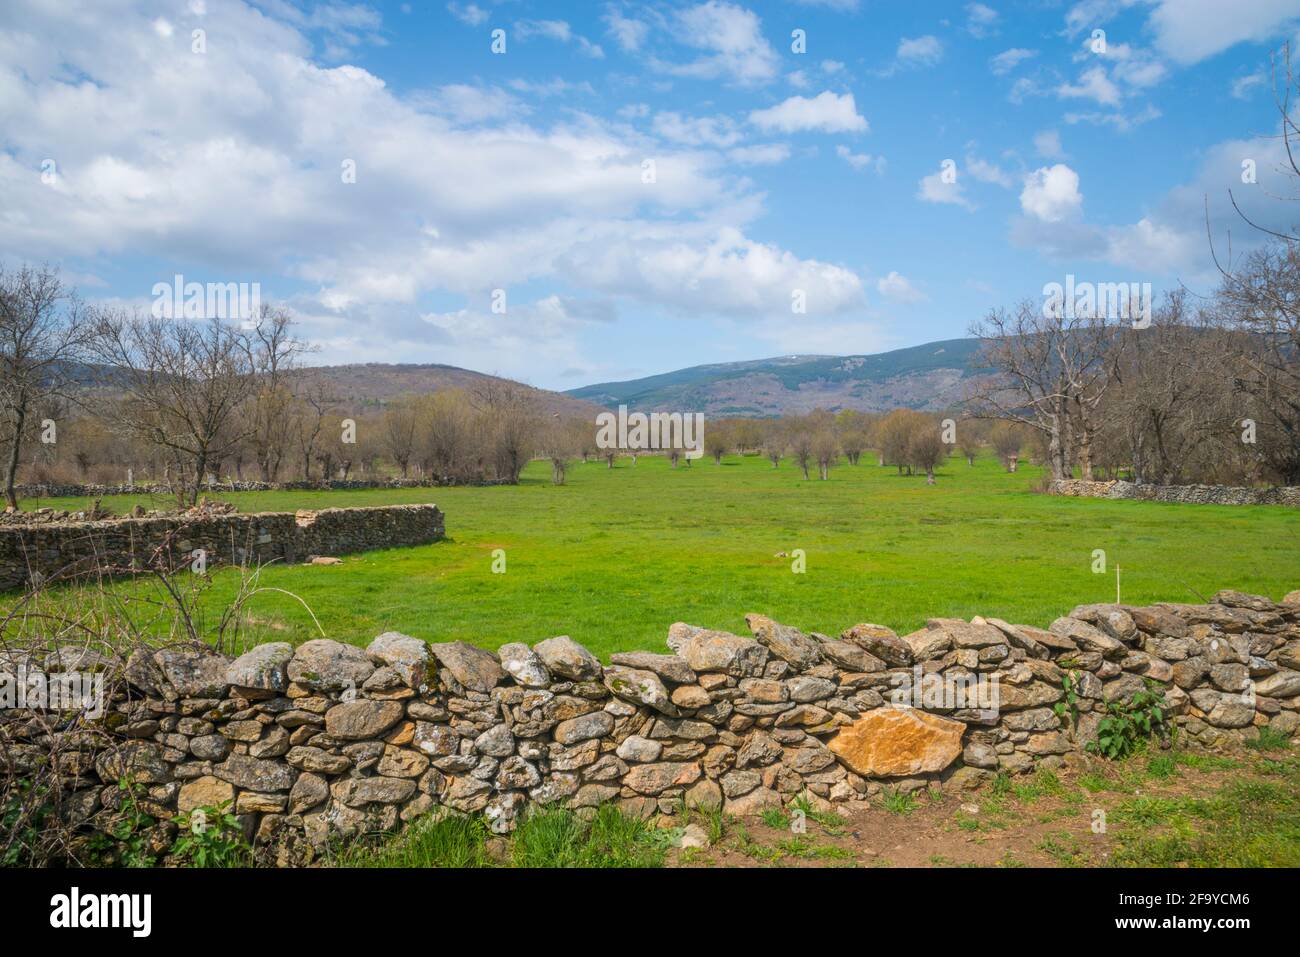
330,738
77,490
1191,494
41,552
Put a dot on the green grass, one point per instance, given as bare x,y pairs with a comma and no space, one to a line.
1248,823
547,838
615,556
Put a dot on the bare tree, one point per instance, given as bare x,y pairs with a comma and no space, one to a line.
184,384
925,449
43,334
1054,366
825,450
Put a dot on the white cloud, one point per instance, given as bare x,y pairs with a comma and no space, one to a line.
987,172
560,32
733,40
1008,60
470,14
696,130
898,288
458,191
943,186
626,31
1094,84
1244,86
981,20
1047,143
919,51
1188,31
860,161
1051,194
826,112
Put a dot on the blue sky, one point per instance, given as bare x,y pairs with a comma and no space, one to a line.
776,174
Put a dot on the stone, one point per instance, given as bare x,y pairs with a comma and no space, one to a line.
755,802
927,643
524,665
1087,637
1112,619
141,761
736,783
308,758
435,740
473,668
707,651
964,634
881,642
262,668
253,774
193,671
850,656
1284,684
568,659
516,773
207,791
805,689
587,726
402,763
705,795
787,643
764,690
1231,712
362,719
668,667
250,802
898,742
691,697
407,656
358,792
640,750
210,747
639,687
307,792
326,665
502,811
654,779
1035,642
498,742
1158,622
978,754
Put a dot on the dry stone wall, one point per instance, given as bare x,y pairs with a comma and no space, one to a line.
330,738
42,552
1191,494
79,490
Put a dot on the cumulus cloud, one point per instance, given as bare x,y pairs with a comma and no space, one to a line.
898,288
1051,194
826,112
457,191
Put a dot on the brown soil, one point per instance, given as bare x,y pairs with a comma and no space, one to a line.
946,830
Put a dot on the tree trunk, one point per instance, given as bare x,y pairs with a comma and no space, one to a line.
11,465
929,475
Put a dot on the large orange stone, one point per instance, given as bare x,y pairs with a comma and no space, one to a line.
898,742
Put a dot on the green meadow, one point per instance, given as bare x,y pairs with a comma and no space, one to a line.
615,556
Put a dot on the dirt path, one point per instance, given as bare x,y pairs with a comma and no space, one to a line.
1072,817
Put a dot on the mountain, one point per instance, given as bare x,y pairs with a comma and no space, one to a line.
374,383
928,377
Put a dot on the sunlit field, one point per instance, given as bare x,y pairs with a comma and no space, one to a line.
615,556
